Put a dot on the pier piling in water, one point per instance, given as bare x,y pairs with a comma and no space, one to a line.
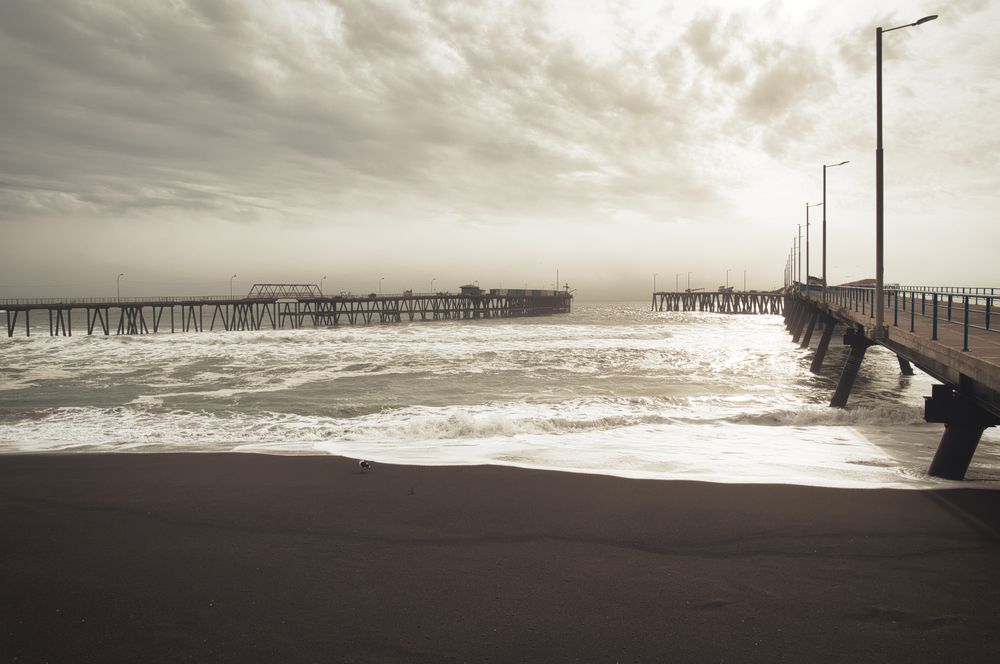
829,323
859,344
964,424
807,337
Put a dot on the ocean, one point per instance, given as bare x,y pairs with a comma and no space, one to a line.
611,388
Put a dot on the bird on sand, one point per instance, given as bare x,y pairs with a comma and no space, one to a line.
365,466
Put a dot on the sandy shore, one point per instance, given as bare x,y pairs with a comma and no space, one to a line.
245,558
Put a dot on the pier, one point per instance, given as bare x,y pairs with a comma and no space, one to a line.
949,333
721,301
278,306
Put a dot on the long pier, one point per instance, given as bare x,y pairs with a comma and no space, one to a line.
722,301
949,333
278,306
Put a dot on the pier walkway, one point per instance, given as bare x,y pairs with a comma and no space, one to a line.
278,306
949,333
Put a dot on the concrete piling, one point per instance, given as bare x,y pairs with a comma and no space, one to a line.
859,346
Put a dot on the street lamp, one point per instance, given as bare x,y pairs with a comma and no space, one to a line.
677,282
807,243
689,281
432,283
655,274
728,269
321,284
879,191
118,283
826,166
798,263
744,280
380,285
231,286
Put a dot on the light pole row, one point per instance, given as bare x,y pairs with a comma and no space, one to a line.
793,265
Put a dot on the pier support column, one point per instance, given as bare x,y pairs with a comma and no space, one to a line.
789,311
905,367
800,323
824,344
859,346
807,337
964,423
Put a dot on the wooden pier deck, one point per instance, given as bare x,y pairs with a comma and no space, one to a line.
278,306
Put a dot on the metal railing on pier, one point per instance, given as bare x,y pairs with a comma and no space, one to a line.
970,308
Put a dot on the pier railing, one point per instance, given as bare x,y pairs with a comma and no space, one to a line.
970,308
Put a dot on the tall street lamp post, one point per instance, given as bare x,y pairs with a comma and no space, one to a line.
689,281
231,286
879,191
655,274
798,262
380,285
728,270
792,275
807,241
118,284
677,282
826,166
321,284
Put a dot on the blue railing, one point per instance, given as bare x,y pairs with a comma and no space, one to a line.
973,308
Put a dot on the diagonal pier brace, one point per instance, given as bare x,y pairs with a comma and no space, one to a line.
964,423
807,337
859,344
824,344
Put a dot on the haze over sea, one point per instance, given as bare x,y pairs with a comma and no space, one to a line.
612,388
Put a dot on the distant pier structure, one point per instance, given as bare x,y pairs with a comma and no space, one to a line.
279,306
723,301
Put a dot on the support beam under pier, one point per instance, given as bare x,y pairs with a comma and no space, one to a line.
800,323
964,424
824,344
859,344
807,337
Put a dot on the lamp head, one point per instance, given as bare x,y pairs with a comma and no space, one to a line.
926,18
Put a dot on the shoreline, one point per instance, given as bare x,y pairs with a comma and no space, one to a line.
256,557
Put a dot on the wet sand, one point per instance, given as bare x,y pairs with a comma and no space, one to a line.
247,558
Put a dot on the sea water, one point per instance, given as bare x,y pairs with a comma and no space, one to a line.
611,388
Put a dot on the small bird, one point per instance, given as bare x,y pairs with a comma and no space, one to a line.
365,466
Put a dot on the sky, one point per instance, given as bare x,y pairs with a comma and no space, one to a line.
408,144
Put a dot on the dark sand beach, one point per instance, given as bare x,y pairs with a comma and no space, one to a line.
247,558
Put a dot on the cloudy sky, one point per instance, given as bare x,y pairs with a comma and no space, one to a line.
183,141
